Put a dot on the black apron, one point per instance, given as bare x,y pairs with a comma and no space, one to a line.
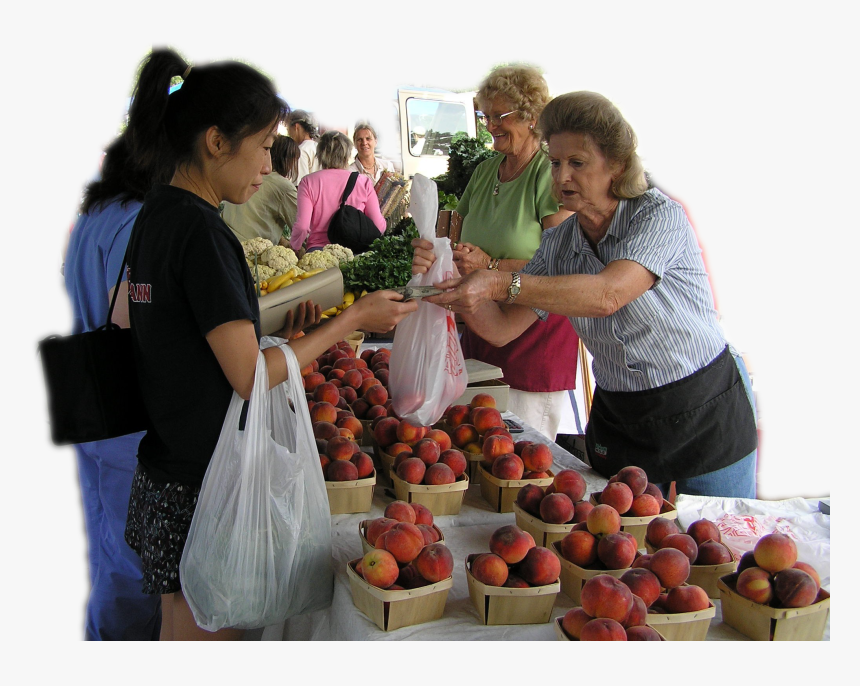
686,428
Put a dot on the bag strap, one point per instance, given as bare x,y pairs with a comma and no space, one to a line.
108,324
349,186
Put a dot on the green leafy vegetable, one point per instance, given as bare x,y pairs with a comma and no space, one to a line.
388,263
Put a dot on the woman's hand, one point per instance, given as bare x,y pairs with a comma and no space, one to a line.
307,314
381,311
469,257
423,257
470,292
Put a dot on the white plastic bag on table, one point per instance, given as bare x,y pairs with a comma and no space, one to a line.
426,370
259,547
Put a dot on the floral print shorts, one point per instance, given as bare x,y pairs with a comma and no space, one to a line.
159,516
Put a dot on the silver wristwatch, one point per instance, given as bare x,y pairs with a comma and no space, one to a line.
514,288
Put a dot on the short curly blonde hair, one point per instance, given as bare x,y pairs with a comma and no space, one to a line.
595,116
523,86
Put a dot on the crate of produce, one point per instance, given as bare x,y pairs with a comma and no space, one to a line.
366,547
765,623
391,610
543,533
637,526
683,626
500,605
440,500
573,577
350,497
355,339
501,493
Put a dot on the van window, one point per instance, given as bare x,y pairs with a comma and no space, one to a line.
432,124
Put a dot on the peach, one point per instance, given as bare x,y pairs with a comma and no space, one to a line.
713,553
571,483
335,355
489,569
352,379
682,542
400,510
367,382
363,463
634,478
643,633
324,412
605,596
409,433
658,528
654,490
775,552
529,497
508,467
539,567
602,629
345,363
643,583
324,462
435,562
379,568
456,415
642,562
376,394
618,495
438,474
511,543
484,418
496,446
616,551
455,460
644,505
360,407
383,375
687,599
519,446
556,508
795,588
375,412
537,457
573,621
324,430
431,535
536,475
514,581
326,393
603,519
397,448
342,405
638,614
367,354
671,566
400,457
341,414
443,439
427,450
464,434
346,433
411,470
312,380
482,400
580,548
809,569
307,370
747,560
353,424
581,510
385,432
340,448
377,527
704,530
423,515
404,541
755,584
341,470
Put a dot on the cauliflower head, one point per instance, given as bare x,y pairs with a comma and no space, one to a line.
265,272
318,259
342,253
279,258
256,246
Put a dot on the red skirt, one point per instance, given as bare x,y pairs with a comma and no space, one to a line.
542,360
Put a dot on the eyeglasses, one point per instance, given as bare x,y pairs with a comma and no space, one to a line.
495,119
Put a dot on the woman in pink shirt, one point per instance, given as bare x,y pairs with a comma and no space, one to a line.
319,194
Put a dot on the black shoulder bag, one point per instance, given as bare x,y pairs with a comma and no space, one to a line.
93,390
350,227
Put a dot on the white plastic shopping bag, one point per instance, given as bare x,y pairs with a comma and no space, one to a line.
259,547
426,370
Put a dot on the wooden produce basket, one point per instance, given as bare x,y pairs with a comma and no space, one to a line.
366,547
484,378
705,576
391,610
683,626
764,623
573,577
543,533
366,433
384,463
562,635
440,500
497,605
637,526
501,493
350,497
355,339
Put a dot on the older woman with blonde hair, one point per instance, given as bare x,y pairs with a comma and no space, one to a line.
672,397
506,207
366,162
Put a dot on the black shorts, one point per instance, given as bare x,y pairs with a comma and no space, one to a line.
159,516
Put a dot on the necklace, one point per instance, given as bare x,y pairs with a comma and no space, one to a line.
516,171
370,170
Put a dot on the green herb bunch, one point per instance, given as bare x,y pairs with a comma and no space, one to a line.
388,263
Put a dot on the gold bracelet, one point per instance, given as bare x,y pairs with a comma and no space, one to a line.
494,264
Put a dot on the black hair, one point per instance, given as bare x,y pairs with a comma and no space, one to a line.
285,156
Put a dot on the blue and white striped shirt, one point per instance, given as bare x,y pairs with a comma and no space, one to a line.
668,332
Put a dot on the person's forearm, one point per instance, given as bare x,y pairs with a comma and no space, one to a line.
309,347
512,265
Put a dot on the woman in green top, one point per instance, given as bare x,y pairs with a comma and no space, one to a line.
506,206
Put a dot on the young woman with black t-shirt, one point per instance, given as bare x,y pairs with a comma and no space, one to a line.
193,310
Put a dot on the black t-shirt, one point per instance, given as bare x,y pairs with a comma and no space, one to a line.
187,275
